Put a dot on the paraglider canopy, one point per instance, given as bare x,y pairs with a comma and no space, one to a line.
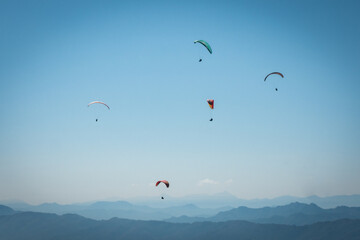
205,44
278,73
163,181
211,103
99,103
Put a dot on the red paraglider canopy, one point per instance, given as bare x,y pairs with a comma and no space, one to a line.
278,73
163,181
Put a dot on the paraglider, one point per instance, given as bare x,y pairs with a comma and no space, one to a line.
211,105
163,181
277,73
98,102
206,45
166,184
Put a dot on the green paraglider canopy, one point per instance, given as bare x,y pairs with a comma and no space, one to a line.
205,44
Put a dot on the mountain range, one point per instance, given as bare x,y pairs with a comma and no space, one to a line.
226,199
121,209
193,208
291,214
45,226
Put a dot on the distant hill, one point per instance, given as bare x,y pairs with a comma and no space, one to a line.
226,199
198,206
4,210
106,210
41,226
291,214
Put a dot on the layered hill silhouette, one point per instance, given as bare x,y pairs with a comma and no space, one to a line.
226,199
197,207
215,201
291,214
121,209
41,226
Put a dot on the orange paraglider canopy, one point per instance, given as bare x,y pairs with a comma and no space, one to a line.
211,103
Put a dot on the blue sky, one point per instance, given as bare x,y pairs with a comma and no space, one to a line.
139,58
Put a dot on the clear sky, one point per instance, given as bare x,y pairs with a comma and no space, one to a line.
139,58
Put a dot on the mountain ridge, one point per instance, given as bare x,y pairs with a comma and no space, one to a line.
291,214
41,226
